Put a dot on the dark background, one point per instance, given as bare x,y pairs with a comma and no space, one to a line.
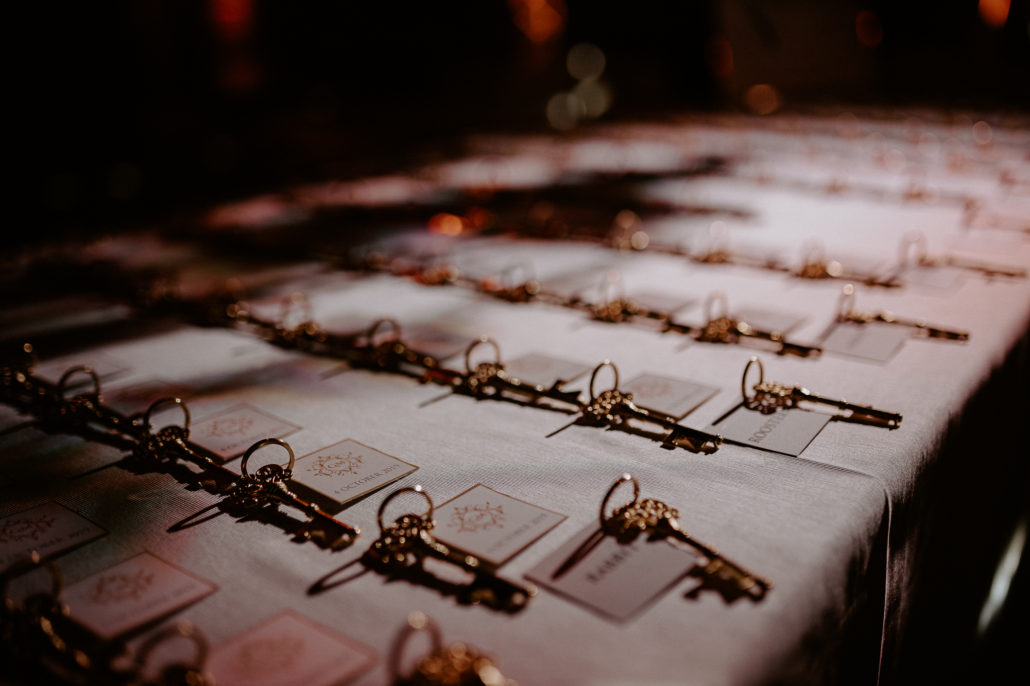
131,112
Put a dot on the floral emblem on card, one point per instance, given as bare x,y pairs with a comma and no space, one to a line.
481,517
230,426
118,587
25,528
335,465
271,655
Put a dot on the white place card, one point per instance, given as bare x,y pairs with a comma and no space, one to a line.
229,433
132,593
544,370
288,649
491,525
48,529
872,341
787,431
676,397
347,470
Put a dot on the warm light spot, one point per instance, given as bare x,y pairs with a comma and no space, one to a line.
447,224
596,97
564,110
541,21
639,240
868,29
982,133
585,61
626,220
719,54
763,99
478,218
994,13
233,18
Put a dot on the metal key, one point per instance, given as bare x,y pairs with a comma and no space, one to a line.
814,265
615,408
393,354
726,329
769,397
847,313
917,240
457,664
489,379
657,520
267,486
403,547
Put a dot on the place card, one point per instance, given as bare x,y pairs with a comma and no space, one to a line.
48,529
102,365
544,370
491,525
615,580
870,341
132,593
942,277
140,396
434,340
288,649
660,302
785,431
764,319
675,397
347,470
229,433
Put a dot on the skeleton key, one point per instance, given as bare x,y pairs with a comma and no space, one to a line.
267,486
619,309
658,520
457,664
491,378
847,313
615,408
176,673
814,265
726,329
917,240
769,397
507,288
405,545
393,354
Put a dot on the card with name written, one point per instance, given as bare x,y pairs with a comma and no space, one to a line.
872,341
544,370
785,431
347,470
615,580
132,593
289,649
676,397
491,525
229,433
49,529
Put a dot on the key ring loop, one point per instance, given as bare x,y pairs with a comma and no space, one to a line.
377,324
846,303
400,491
24,566
417,621
291,303
180,630
85,369
743,379
614,487
261,444
813,252
593,377
609,285
506,276
483,340
916,239
713,297
170,400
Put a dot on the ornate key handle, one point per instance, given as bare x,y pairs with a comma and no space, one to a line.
814,264
768,397
515,290
612,305
457,664
179,673
296,307
721,328
602,406
478,380
916,240
155,445
261,487
394,545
